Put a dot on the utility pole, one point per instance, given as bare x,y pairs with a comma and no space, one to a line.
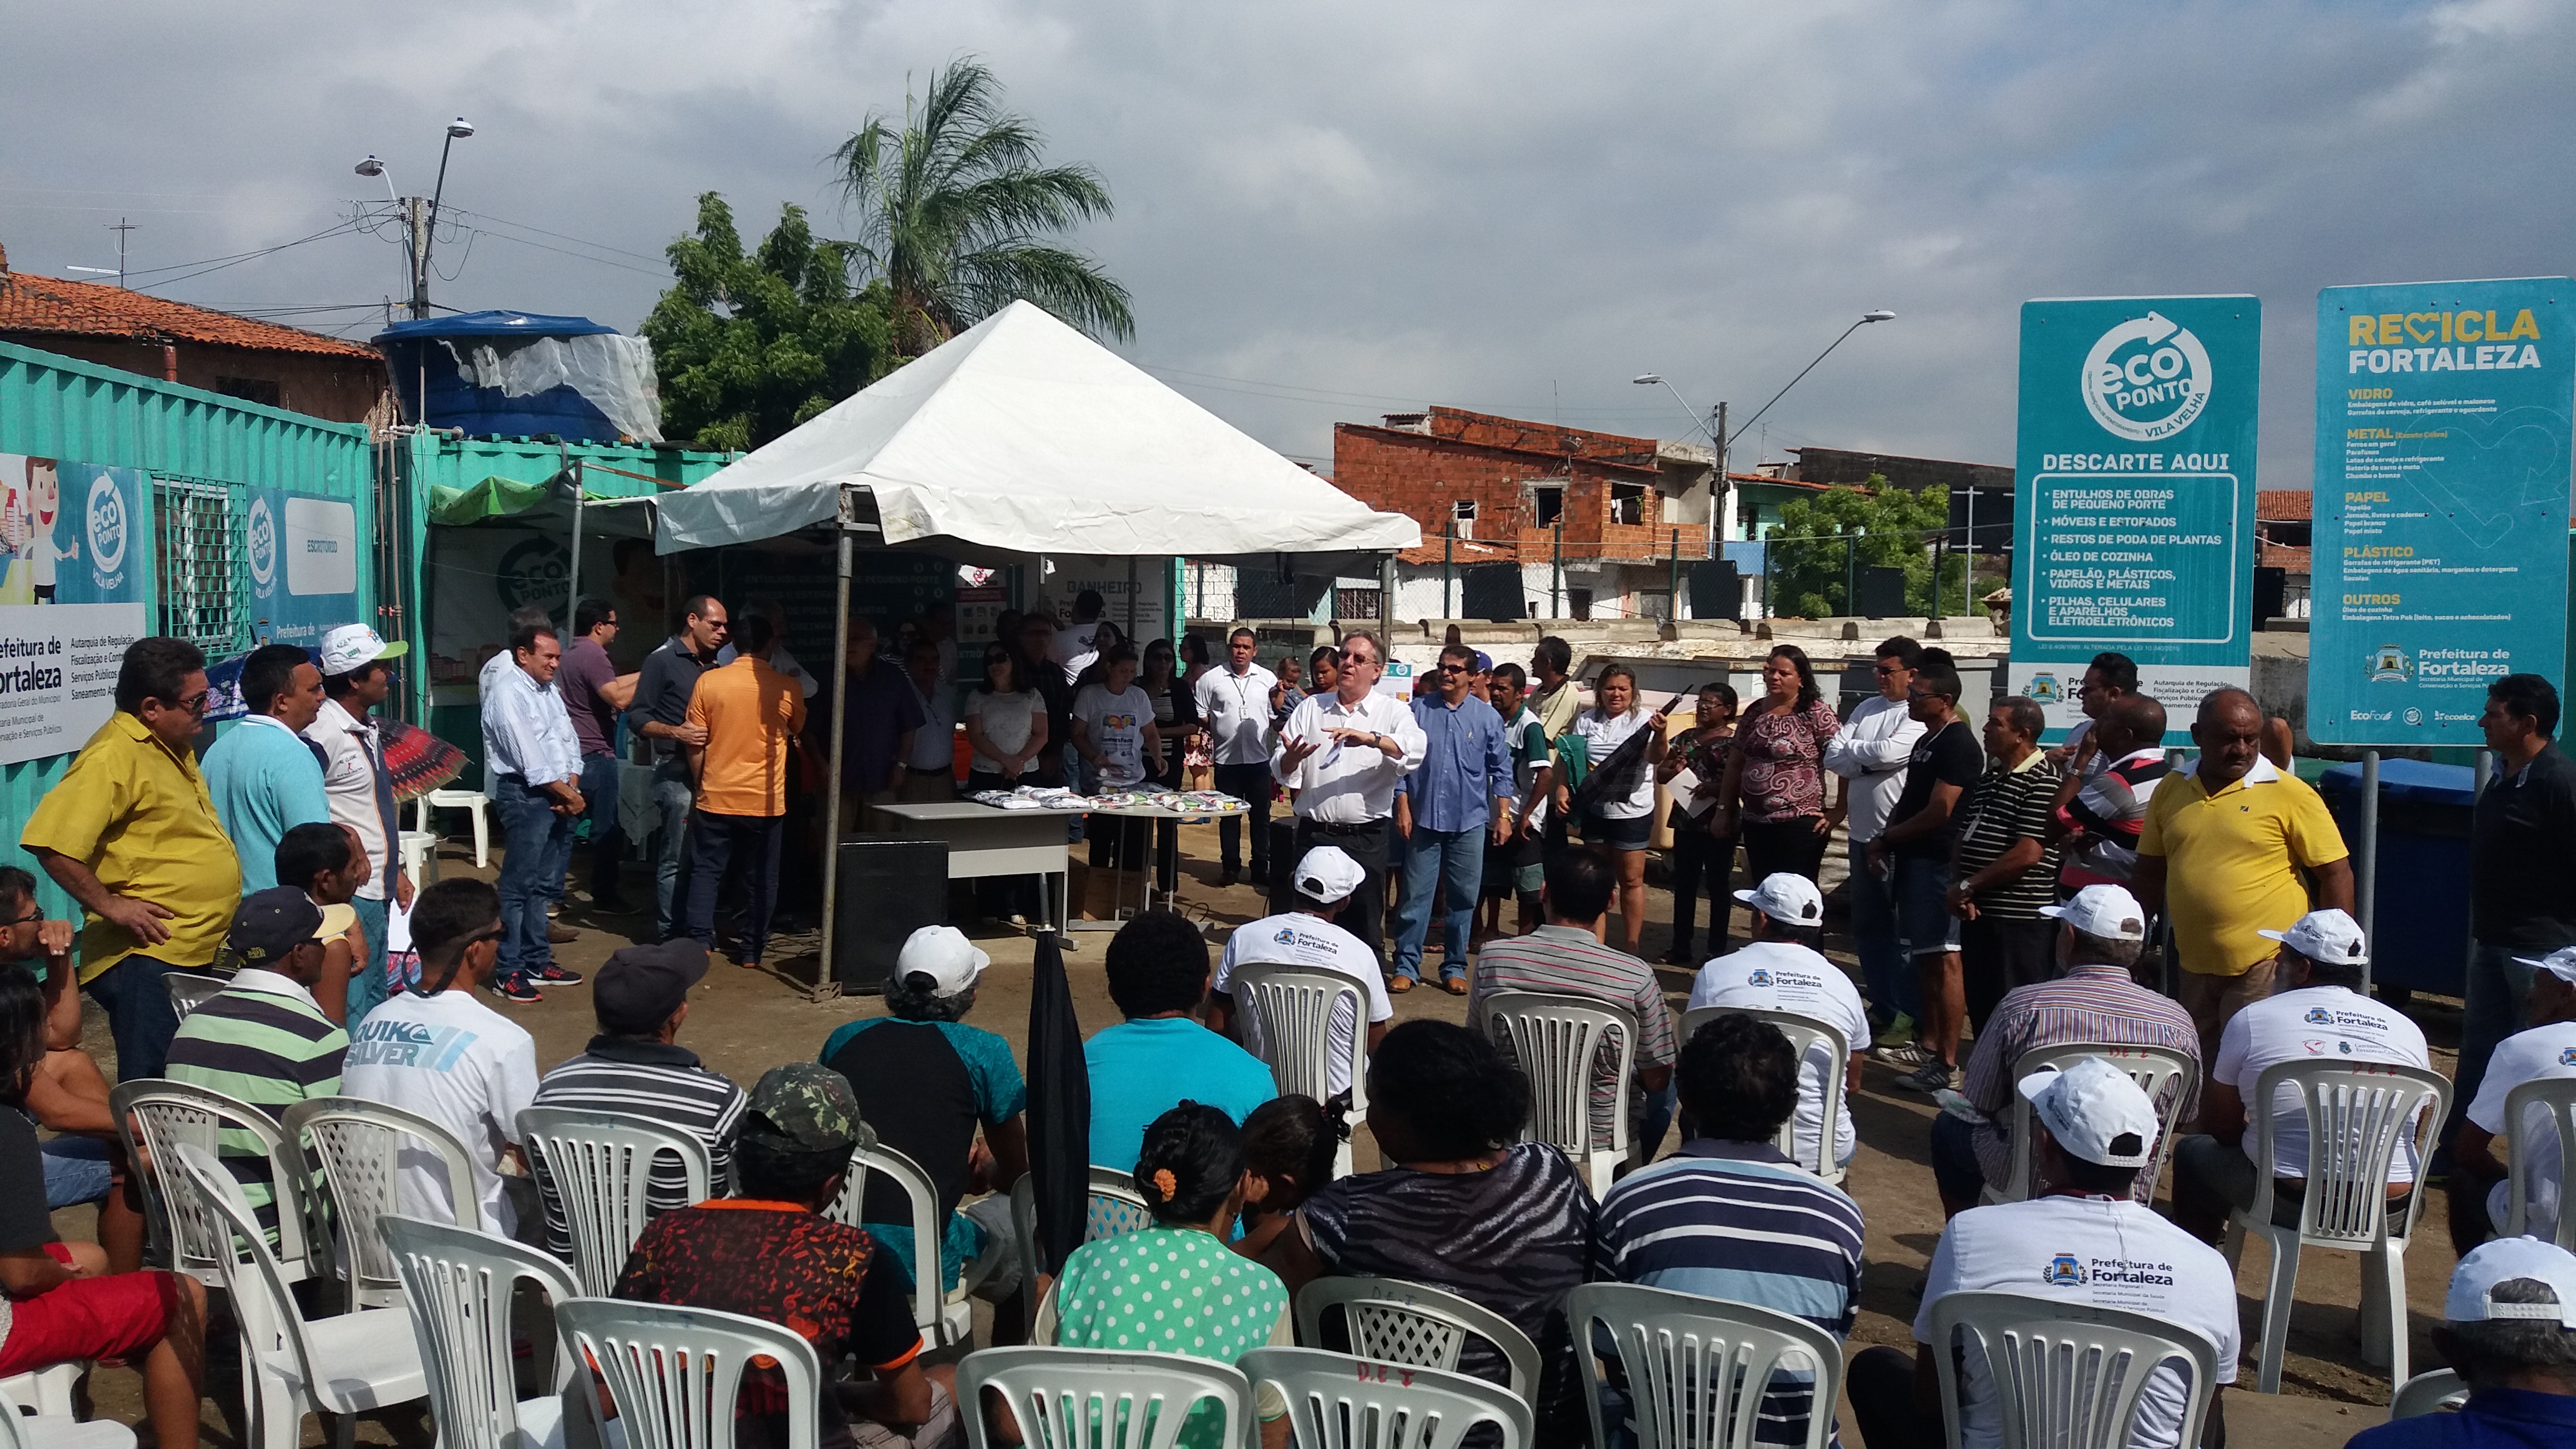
121,228
416,217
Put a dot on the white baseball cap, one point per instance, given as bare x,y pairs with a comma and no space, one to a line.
943,954
353,647
2090,1105
1787,897
2473,1283
1328,874
2560,963
2327,935
2107,911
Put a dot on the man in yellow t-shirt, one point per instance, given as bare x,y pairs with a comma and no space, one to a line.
131,833
2220,855
750,712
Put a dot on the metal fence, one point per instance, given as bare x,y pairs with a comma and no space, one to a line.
196,546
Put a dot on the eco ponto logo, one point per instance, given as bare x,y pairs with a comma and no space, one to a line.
2146,379
260,541
104,521
2063,1272
2389,665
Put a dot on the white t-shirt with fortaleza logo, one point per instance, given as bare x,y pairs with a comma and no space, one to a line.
2527,1056
2314,1023
1777,976
2099,1251
449,1058
1298,939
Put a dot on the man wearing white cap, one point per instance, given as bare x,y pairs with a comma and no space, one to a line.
1307,937
2092,999
355,679
1779,969
2480,1204
2316,1011
2509,1330
2085,1240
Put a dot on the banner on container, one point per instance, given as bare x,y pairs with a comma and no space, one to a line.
2440,544
2133,498
71,599
302,553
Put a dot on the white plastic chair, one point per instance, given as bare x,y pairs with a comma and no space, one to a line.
1066,1398
1336,1401
675,1372
49,1391
1388,1320
190,990
419,848
458,1285
356,1148
2163,1073
1553,1038
1288,1022
943,1317
2556,1098
1698,1369
474,801
2357,1113
600,1168
1116,1206
2428,1392
154,1117
2067,1375
345,1365
51,1428
1808,1035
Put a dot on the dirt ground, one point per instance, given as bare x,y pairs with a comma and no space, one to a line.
745,1021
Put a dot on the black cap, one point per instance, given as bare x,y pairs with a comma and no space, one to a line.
270,923
641,986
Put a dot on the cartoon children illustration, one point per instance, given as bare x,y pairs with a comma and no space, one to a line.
44,510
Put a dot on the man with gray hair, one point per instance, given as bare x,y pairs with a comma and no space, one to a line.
2508,1330
1342,755
2005,868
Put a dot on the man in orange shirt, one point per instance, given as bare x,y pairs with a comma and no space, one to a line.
750,712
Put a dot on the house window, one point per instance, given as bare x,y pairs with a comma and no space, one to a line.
251,389
1628,503
1548,499
194,542
1750,520
1462,518
1579,602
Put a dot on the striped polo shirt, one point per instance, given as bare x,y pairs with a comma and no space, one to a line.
1738,1221
645,1078
2096,1003
1567,960
2008,804
263,1041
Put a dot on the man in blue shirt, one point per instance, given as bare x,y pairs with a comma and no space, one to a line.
264,777
2509,1329
1461,794
532,768
1161,1056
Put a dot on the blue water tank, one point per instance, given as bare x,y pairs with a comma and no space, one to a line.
524,374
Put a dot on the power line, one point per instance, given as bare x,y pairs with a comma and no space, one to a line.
558,236
217,264
577,256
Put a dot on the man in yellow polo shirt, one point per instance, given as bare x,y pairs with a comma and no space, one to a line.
131,833
750,712
2220,855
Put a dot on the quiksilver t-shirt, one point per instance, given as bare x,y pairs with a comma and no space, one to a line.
449,1058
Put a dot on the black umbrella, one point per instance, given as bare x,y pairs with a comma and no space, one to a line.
1059,1109
1616,777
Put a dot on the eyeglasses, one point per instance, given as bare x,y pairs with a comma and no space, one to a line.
1353,656
1889,670
1445,667
33,914
196,703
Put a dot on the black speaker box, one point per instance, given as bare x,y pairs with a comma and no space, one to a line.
890,887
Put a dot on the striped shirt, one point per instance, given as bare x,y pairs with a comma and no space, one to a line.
2094,1003
1738,1221
645,1079
263,1041
2008,804
1567,960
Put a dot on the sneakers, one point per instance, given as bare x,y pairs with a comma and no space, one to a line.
1904,1056
517,989
1898,1033
553,975
1934,1076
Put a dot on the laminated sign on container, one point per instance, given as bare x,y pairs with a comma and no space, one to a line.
71,599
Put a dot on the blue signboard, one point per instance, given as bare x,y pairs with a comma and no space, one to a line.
2440,545
303,557
71,598
2133,497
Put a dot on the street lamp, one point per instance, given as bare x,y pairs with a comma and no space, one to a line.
420,216
373,167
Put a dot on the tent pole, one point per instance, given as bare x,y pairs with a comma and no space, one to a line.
832,793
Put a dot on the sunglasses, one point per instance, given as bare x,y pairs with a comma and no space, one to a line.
196,703
1887,670
32,915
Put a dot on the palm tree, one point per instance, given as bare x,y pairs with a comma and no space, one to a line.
953,208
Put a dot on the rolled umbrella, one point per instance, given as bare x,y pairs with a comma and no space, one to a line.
1059,1109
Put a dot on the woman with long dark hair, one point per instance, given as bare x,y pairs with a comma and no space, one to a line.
1702,857
1774,792
1620,828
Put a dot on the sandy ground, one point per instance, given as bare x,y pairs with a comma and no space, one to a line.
745,1021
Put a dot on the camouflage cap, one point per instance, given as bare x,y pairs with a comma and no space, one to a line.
804,1107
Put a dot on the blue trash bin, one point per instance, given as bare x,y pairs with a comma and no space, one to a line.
2420,940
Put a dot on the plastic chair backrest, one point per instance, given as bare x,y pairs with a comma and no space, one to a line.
1288,1022
459,1285
2067,1375
154,1116
1553,1037
1336,1401
2163,1073
1081,1398
1116,1206
356,1147
600,1166
263,1309
928,1281
674,1373
45,1430
1392,1321
190,990
2427,1393
1698,1369
2357,1113
2554,1097
1806,1034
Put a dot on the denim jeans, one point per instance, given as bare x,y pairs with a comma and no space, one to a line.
139,1014
599,792
367,988
1251,785
1884,972
76,1172
673,795
536,843
1451,860
2497,1007
714,841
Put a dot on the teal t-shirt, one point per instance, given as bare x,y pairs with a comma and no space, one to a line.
265,781
1143,1069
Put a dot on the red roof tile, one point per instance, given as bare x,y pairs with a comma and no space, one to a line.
92,309
2283,505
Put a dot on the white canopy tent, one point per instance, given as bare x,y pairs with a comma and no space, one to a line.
1016,439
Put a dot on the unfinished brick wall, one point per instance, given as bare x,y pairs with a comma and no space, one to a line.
1424,474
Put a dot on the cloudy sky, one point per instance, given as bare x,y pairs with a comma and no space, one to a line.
1331,210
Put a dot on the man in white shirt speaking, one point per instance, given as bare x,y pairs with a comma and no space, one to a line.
1234,703
2086,1242
1870,751
1343,754
1781,970
1306,935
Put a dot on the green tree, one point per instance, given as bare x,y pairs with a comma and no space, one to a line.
954,209
1821,545
747,347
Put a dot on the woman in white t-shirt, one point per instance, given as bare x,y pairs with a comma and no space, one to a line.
1619,826
1113,728
1005,724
